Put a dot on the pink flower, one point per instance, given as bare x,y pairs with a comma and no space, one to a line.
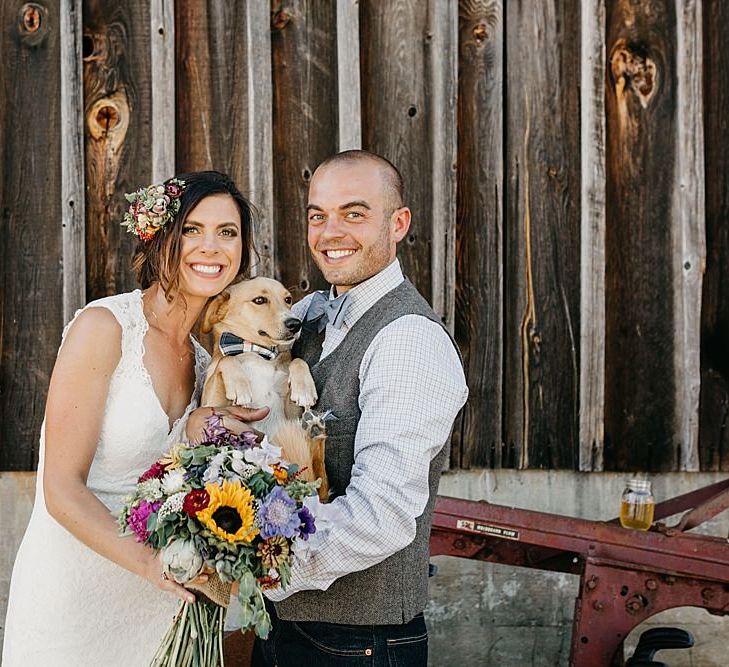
137,519
173,190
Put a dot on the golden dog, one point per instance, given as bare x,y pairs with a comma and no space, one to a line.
258,312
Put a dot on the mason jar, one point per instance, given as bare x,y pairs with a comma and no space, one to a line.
637,505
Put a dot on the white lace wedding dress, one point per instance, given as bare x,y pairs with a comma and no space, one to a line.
67,604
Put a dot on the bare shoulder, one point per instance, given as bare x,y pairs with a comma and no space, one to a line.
95,338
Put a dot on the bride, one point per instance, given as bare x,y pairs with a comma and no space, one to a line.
125,384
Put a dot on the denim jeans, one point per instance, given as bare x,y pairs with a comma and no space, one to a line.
304,644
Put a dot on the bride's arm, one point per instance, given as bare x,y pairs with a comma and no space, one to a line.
76,400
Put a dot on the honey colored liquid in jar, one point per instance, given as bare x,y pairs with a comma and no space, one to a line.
638,516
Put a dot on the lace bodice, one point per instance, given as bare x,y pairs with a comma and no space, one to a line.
135,429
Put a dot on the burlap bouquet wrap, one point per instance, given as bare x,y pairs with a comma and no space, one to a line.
214,589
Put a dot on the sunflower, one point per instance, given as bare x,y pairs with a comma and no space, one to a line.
229,514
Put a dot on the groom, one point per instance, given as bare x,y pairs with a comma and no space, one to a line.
391,375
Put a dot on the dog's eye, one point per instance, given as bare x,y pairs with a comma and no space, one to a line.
260,300
288,300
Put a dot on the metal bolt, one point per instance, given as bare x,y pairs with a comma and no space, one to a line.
592,583
634,605
651,584
597,605
459,544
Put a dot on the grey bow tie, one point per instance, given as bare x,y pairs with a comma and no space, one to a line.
323,310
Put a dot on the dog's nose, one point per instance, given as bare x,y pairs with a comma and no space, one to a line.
293,324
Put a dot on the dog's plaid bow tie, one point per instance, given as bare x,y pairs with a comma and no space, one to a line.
322,309
230,345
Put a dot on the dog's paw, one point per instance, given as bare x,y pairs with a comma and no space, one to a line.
314,425
303,394
239,396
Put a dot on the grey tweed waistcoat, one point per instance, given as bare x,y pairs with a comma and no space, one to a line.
396,589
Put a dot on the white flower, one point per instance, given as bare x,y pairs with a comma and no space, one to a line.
150,489
173,481
182,560
212,472
171,505
263,456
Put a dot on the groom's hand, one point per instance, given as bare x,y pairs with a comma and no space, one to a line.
233,417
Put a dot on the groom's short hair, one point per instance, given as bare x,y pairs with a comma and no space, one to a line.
391,176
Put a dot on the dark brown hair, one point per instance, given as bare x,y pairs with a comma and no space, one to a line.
158,260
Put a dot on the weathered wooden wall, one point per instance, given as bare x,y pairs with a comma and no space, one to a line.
565,163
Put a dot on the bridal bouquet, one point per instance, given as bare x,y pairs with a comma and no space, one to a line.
233,508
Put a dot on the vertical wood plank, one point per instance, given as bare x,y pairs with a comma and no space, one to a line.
223,80
477,435
348,79
542,235
443,76
397,115
72,160
641,108
31,244
305,109
162,44
592,241
714,422
689,241
260,139
118,112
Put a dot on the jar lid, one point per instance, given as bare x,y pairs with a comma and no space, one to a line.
639,484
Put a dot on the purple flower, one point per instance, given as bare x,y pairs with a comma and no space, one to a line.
307,526
278,515
137,519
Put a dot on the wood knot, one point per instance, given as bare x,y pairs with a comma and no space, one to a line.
280,20
480,33
33,23
632,69
108,117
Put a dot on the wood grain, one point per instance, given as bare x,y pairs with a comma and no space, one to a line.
304,51
477,437
689,239
73,205
641,161
592,237
31,249
348,81
542,235
714,413
397,115
118,111
223,64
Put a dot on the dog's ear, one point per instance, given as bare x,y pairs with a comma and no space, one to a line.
217,309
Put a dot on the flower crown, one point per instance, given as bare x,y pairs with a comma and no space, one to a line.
151,208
